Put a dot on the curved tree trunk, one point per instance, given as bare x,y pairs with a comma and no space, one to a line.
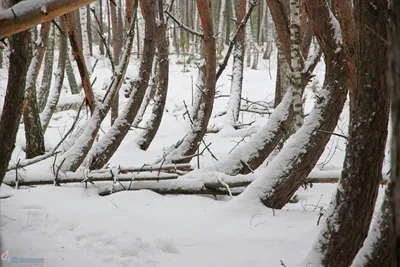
290,168
75,155
232,112
350,212
14,99
33,129
190,143
58,80
378,247
110,142
394,83
160,96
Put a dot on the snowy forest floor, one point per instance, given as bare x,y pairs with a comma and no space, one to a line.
71,226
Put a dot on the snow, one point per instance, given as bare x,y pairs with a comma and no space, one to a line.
74,226
141,228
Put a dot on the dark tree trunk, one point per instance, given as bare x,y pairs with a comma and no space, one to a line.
14,99
160,97
116,48
378,247
394,83
351,209
33,128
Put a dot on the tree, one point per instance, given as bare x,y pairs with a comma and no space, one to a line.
187,147
33,129
394,84
14,99
110,142
351,209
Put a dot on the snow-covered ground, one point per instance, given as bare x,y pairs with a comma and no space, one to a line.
71,226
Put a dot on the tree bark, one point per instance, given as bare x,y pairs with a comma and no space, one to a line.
160,96
14,99
73,86
47,71
378,247
232,112
75,155
190,143
21,17
33,129
52,101
110,142
116,48
80,60
394,84
350,212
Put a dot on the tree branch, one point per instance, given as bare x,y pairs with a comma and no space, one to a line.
181,25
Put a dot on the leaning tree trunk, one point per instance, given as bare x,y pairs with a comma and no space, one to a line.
188,146
52,101
232,112
14,99
350,212
73,86
378,247
80,60
290,168
75,155
394,83
110,142
160,97
33,129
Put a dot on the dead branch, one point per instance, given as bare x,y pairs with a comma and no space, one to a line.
181,25
241,25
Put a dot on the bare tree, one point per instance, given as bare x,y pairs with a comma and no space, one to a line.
160,97
232,112
116,51
52,100
14,99
187,147
106,147
33,129
351,209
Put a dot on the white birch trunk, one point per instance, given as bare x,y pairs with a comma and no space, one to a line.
85,38
296,62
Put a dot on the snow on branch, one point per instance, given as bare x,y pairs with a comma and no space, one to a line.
27,14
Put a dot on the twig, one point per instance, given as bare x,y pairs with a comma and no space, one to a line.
181,25
235,36
332,133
